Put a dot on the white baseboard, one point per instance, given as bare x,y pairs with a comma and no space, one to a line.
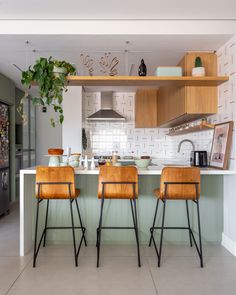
229,244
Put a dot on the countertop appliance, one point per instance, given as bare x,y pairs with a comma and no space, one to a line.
4,159
199,158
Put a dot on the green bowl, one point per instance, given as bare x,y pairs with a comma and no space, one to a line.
142,163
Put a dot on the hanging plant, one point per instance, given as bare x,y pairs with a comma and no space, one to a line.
50,76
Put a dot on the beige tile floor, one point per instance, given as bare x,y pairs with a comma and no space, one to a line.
55,273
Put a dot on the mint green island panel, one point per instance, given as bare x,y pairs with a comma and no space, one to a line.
118,213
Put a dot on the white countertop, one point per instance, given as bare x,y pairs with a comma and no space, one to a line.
151,170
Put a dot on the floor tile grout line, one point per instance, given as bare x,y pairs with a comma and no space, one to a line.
150,271
24,268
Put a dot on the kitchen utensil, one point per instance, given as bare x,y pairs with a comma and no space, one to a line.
114,157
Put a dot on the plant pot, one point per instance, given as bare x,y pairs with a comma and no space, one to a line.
198,72
59,70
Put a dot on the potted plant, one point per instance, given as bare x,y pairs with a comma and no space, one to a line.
198,70
50,76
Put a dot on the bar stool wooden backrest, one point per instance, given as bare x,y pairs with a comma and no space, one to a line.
183,175
118,183
111,176
55,182
178,183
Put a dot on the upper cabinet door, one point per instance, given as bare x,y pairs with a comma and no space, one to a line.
146,108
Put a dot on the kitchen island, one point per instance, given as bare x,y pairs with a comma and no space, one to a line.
216,220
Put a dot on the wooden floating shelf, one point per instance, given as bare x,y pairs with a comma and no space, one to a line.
145,81
198,128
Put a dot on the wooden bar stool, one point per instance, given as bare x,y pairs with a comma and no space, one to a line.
178,184
57,183
118,183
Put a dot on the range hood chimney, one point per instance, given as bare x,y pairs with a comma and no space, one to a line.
106,113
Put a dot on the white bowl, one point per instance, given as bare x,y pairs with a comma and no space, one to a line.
142,163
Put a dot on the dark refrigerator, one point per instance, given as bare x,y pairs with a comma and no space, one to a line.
4,159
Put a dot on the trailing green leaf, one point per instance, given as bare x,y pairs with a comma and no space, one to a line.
51,85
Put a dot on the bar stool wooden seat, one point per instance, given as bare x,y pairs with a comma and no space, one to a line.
178,184
118,183
57,183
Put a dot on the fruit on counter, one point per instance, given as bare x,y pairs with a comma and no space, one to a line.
55,151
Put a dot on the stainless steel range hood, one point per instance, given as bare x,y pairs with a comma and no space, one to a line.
106,113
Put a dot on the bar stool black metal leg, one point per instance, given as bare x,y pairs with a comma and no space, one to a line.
189,228
162,229
199,231
73,232
153,225
35,234
81,224
136,231
97,238
46,224
99,233
132,210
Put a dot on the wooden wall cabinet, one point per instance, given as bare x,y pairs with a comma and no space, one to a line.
178,105
146,108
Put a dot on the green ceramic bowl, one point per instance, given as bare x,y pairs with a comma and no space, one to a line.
142,163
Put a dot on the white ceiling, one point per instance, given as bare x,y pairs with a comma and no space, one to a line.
122,9
156,50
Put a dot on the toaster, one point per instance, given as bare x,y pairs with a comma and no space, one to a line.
199,159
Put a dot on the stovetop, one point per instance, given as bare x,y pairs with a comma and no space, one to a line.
110,157
104,157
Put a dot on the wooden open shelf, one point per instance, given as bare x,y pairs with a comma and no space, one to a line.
201,127
145,81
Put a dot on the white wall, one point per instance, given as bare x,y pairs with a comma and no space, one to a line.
227,92
114,27
46,136
229,231
72,126
226,112
62,136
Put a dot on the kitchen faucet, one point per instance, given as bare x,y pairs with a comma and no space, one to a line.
186,140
